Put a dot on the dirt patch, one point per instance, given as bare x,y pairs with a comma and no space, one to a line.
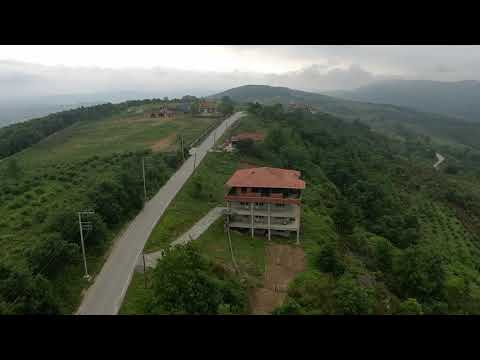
282,263
163,143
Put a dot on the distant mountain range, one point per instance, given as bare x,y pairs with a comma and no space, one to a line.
458,99
391,119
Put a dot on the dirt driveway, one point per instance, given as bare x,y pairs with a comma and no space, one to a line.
282,263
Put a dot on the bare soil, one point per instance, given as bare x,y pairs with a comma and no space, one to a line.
163,143
282,263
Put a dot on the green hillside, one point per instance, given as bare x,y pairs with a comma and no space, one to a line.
383,232
94,163
389,119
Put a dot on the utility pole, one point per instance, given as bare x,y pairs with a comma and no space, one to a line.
144,269
87,225
144,183
145,165
183,151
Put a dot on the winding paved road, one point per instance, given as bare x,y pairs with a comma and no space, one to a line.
439,161
105,295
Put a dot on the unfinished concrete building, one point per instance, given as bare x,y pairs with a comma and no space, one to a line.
265,200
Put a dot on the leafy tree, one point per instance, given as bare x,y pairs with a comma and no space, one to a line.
276,139
289,307
246,147
184,283
328,259
410,307
226,106
343,217
352,298
23,293
311,292
194,108
384,254
51,254
254,108
64,221
107,198
420,273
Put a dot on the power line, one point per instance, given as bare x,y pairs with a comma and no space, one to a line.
39,272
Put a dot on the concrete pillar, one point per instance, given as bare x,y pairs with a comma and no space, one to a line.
298,225
228,214
269,230
251,215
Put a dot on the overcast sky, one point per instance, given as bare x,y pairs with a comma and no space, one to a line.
201,70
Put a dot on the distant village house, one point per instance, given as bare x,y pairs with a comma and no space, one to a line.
207,107
229,145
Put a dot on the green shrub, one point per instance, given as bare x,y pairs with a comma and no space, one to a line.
329,259
351,298
186,283
410,307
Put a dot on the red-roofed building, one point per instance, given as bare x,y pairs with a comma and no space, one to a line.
265,200
253,136
207,107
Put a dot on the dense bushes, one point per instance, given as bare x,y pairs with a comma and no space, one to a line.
24,293
186,283
328,259
352,298
383,259
50,254
420,273
112,186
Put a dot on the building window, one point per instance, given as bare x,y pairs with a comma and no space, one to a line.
243,189
280,205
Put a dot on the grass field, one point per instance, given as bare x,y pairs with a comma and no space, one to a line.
112,135
188,207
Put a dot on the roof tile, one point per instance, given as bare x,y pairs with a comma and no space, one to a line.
267,177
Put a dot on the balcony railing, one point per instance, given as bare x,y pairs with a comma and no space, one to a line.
272,197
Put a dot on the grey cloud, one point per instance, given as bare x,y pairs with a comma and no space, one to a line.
331,67
37,80
412,61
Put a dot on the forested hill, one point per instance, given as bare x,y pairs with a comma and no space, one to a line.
384,232
389,119
459,99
